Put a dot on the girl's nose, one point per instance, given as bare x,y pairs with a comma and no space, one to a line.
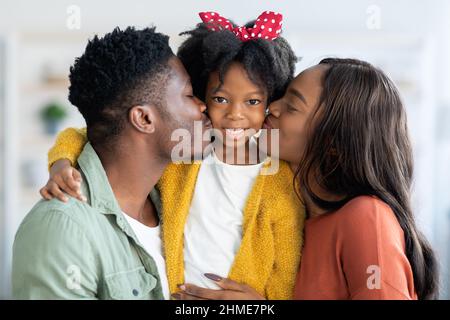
235,112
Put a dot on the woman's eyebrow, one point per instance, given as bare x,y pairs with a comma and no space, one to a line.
298,94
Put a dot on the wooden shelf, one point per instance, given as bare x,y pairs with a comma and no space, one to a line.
45,86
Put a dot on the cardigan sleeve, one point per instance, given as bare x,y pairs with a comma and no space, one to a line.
288,240
68,145
288,216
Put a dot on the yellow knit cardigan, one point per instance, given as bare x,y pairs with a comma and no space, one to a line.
272,236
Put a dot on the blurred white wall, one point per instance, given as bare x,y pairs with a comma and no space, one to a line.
409,39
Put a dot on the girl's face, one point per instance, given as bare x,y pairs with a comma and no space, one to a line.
293,113
236,106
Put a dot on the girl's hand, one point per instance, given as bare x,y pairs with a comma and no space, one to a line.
231,290
63,178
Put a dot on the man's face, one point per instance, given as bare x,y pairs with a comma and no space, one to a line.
183,110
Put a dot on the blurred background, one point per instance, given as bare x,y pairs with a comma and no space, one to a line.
39,40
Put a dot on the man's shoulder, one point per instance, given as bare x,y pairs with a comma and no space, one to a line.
53,216
51,239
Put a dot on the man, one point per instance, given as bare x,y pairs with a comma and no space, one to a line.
133,92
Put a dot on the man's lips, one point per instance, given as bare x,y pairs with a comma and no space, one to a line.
207,123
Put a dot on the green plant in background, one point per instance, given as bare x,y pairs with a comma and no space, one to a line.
53,114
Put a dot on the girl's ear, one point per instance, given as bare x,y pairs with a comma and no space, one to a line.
143,118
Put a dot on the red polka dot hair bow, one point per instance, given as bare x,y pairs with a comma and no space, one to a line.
267,26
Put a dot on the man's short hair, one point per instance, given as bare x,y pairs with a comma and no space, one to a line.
123,69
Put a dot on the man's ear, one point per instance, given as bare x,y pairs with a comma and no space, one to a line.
143,118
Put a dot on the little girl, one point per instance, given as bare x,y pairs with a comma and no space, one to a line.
223,214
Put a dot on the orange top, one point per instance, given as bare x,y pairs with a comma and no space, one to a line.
356,252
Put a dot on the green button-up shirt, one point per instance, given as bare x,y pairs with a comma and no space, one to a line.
79,250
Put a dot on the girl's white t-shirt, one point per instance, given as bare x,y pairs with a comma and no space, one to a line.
213,231
150,238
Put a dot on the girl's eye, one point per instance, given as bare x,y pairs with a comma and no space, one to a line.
254,102
220,100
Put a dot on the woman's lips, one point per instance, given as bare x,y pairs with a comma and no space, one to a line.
267,124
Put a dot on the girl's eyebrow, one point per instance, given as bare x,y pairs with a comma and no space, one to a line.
255,92
219,88
225,91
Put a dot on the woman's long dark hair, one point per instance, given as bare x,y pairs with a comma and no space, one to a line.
360,146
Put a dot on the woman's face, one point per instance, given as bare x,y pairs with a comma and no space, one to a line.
293,114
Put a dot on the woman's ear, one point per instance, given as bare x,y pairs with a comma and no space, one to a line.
143,118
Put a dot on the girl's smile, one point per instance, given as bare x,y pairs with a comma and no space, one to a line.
235,133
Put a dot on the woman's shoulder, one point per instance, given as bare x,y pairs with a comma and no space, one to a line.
368,216
371,242
365,208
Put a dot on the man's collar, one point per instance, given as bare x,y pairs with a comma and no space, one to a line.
101,194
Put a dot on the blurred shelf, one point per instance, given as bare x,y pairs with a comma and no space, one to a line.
61,86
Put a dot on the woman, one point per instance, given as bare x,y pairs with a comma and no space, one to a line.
343,130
